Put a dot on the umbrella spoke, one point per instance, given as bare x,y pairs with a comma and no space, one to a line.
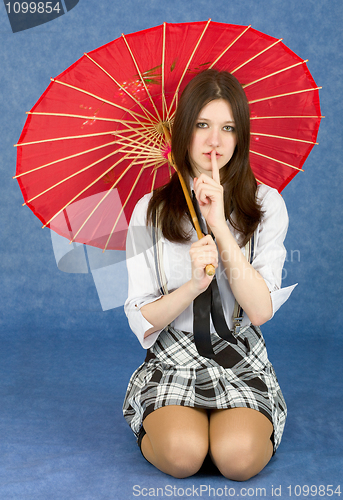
123,207
67,115
284,138
127,198
145,111
85,189
278,161
74,175
137,130
84,136
143,145
126,201
229,46
103,199
275,73
64,159
82,170
188,64
152,137
285,95
256,55
99,98
141,77
164,102
289,116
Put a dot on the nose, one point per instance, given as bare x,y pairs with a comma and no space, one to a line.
213,137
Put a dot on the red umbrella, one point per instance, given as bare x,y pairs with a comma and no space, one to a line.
94,142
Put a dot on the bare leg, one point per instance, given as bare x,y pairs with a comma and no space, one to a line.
240,444
176,439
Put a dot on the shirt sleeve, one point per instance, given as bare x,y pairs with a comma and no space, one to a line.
142,282
270,252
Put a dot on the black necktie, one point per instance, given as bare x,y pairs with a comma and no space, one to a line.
205,305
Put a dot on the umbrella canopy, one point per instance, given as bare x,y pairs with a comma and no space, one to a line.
94,142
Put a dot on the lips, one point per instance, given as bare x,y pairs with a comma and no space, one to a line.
208,155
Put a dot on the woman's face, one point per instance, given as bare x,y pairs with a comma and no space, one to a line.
214,130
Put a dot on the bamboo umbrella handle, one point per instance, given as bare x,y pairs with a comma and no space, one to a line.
210,269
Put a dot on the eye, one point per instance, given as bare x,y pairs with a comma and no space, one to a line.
201,125
229,128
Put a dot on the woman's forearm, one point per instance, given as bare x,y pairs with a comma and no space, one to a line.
247,285
163,311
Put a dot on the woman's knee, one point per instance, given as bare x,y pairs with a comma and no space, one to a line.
183,455
178,438
239,461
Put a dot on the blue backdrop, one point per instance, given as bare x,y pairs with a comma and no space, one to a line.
55,337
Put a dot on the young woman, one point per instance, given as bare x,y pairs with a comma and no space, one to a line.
206,387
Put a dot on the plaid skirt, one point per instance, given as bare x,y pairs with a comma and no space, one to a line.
239,376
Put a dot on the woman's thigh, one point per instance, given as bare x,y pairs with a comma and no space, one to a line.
240,442
177,439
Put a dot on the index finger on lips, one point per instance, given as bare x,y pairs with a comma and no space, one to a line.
215,169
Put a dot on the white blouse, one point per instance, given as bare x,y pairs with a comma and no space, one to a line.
268,259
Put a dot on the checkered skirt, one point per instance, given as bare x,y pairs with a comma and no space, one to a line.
239,376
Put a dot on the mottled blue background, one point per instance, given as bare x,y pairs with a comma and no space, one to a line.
35,293
40,302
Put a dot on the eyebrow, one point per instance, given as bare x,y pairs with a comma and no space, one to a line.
207,120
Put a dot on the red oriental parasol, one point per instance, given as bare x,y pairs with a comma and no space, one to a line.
94,143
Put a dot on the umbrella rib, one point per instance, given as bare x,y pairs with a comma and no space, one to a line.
123,207
83,190
78,89
187,65
285,95
68,115
229,46
141,77
149,137
155,139
102,199
68,158
275,73
164,103
150,153
289,116
126,201
72,175
98,134
282,137
145,111
63,159
153,180
256,55
139,145
84,136
150,161
278,161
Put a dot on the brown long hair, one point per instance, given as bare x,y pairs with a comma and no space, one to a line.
236,176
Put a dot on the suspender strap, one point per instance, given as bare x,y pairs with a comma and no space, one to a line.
238,311
156,234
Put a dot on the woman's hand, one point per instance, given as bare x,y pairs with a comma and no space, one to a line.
202,253
210,195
